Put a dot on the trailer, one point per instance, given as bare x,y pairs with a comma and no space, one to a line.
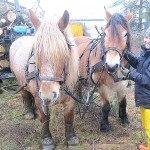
86,27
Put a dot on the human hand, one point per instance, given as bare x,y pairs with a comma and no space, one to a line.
124,71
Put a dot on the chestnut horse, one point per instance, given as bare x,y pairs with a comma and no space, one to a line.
43,65
103,57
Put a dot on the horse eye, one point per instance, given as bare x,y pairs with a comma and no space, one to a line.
126,35
61,82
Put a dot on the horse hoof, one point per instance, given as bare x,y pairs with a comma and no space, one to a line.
29,116
105,128
48,144
50,147
125,121
73,141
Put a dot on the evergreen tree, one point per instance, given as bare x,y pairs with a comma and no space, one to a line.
141,10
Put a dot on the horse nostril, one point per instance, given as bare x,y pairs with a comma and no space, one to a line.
117,65
106,65
54,95
111,69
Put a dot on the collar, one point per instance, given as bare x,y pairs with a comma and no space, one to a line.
145,51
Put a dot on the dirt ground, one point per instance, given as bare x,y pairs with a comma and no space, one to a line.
16,133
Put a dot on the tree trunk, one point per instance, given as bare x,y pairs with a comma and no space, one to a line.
140,16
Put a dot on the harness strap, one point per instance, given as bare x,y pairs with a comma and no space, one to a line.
116,79
91,46
99,65
31,75
71,95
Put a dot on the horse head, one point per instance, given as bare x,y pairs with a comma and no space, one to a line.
56,61
116,40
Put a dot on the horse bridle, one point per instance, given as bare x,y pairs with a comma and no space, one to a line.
117,50
114,75
36,75
58,79
104,50
101,64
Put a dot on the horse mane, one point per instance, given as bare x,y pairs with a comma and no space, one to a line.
50,41
116,19
73,63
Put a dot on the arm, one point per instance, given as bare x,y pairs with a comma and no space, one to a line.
142,79
132,59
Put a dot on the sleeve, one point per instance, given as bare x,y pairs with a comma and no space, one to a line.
142,79
132,59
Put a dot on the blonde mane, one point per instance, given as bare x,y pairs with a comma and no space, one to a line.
73,63
50,41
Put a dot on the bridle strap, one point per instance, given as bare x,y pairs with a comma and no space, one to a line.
113,49
56,79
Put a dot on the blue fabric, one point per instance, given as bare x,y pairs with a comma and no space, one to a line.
141,76
132,59
22,29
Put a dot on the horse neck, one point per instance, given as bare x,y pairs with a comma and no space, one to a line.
95,55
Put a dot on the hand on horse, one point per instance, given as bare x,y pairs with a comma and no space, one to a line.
124,71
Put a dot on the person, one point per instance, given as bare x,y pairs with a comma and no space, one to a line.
141,76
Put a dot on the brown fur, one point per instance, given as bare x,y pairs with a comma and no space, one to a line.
115,37
51,54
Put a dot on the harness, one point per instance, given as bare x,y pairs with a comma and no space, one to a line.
101,64
98,66
36,75
90,70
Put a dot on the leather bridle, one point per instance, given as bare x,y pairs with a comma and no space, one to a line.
101,64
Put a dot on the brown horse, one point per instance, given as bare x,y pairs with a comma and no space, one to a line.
43,65
104,61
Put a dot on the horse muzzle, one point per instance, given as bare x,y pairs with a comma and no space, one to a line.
45,100
111,69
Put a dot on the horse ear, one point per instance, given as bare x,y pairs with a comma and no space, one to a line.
63,21
129,16
108,14
34,19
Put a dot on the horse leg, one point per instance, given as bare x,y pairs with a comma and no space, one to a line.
80,96
104,121
46,136
28,104
122,111
105,108
70,135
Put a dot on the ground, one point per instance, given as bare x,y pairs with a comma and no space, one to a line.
16,133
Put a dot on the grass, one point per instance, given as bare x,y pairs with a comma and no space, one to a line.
137,135
7,145
18,133
15,116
